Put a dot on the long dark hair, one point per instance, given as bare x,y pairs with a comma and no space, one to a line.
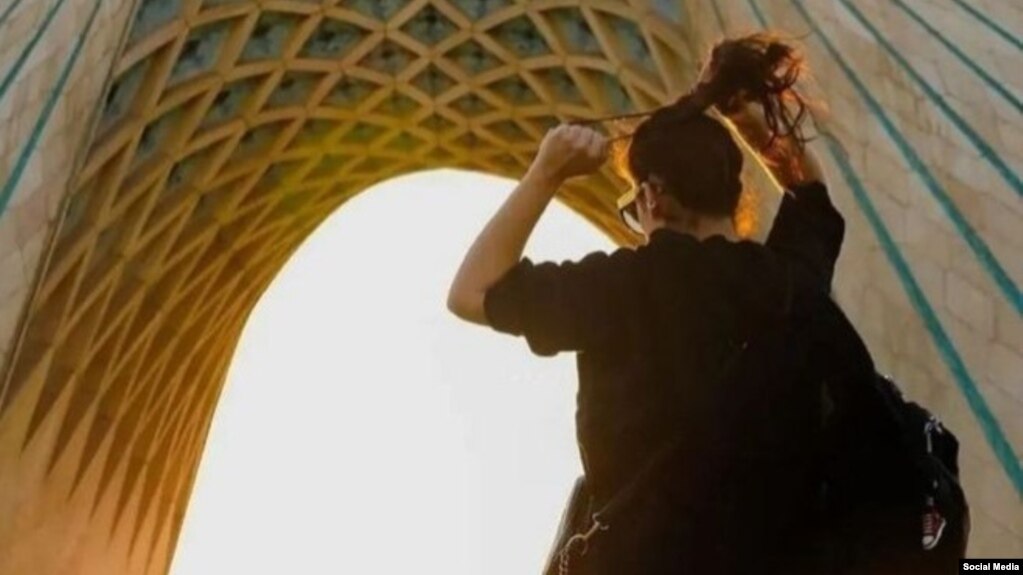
695,153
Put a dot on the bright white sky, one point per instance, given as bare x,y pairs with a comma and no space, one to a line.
364,429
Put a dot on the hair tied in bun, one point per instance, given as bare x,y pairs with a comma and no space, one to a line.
760,69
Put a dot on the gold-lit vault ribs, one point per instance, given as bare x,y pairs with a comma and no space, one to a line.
228,131
141,217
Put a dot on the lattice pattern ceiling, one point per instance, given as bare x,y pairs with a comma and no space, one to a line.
231,129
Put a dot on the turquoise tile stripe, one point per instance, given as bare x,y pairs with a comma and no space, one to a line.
44,117
988,422
5,84
992,430
979,247
10,10
986,150
983,19
976,243
757,13
970,63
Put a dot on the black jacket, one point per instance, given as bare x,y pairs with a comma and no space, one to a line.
653,327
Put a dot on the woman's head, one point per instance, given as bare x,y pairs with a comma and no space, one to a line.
684,163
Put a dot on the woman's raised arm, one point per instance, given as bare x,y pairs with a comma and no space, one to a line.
565,152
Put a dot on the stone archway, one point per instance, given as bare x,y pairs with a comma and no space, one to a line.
230,128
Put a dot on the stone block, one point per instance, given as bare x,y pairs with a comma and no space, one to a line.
11,307
1005,369
969,303
12,274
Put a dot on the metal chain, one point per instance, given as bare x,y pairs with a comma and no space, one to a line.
579,539
563,562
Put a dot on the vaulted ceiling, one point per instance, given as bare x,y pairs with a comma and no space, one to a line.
231,129
227,130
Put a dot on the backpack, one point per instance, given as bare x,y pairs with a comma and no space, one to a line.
891,501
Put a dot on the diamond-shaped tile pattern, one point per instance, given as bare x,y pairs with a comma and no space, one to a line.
521,36
471,105
230,128
330,165
380,9
473,58
576,34
229,101
433,81
437,124
256,140
611,90
349,92
477,9
200,52
217,150
152,15
515,90
510,131
121,94
294,89
630,37
184,171
405,143
561,85
362,133
155,134
387,58
332,39
269,36
430,26
398,106
670,9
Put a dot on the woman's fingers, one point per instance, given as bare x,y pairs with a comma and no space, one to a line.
591,146
574,149
573,134
585,140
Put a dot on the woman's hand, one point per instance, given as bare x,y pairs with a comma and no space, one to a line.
568,151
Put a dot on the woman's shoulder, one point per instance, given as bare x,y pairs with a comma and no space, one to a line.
681,243
809,229
711,261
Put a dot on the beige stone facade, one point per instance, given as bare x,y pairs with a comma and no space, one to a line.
161,159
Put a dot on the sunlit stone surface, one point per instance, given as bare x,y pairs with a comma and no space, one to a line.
161,159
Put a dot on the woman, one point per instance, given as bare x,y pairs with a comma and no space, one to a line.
656,327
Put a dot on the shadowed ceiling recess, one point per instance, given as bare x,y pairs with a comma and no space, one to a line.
228,131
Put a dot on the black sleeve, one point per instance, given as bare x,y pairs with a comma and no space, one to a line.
809,230
568,306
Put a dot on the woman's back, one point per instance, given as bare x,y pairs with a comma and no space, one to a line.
739,484
656,327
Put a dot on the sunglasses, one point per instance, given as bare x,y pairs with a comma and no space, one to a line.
628,203
628,211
